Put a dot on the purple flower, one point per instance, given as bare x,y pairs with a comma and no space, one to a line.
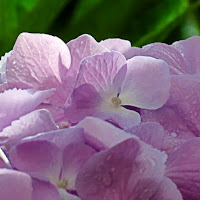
180,115
41,62
54,159
107,84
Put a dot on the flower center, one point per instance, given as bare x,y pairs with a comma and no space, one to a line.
62,184
116,101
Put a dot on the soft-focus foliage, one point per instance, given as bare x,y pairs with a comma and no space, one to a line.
141,22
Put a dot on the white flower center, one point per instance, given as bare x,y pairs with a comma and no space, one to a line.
116,101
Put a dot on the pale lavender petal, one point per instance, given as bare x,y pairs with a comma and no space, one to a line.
190,49
122,117
167,191
116,44
67,196
61,138
151,132
41,159
3,63
183,168
141,88
43,190
101,135
122,172
16,103
2,163
15,185
74,157
100,71
84,101
28,125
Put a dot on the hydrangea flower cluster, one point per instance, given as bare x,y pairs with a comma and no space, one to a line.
92,120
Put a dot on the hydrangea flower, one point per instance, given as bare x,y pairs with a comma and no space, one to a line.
53,158
107,86
151,148
179,116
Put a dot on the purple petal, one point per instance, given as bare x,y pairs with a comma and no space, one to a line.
61,138
190,49
41,159
141,88
17,103
122,172
100,71
84,102
74,157
100,134
15,185
167,191
43,190
183,168
184,99
177,131
167,53
28,125
117,44
152,133
82,47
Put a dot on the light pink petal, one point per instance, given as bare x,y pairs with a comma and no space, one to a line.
61,138
41,159
167,191
185,98
28,125
129,170
40,61
183,168
16,103
84,102
74,157
43,190
100,71
15,185
116,44
101,135
151,132
190,49
141,88
82,47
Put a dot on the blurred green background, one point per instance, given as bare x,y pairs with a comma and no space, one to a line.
140,21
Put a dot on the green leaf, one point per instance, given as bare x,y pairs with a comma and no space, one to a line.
25,15
141,21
